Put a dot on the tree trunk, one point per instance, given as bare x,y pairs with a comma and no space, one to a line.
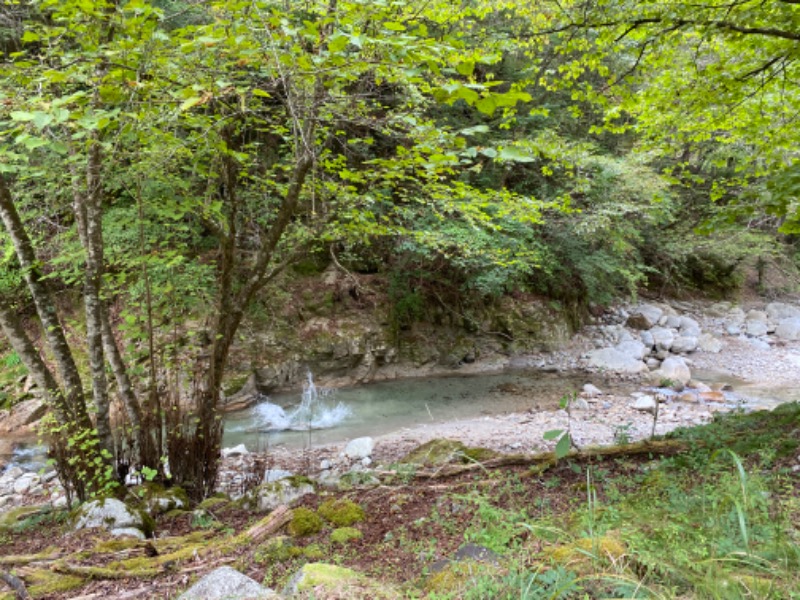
45,307
88,213
29,355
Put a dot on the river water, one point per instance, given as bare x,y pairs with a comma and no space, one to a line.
385,407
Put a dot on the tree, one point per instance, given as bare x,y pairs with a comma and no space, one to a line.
243,127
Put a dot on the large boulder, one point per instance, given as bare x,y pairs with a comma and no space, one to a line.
789,329
611,359
645,316
24,414
633,348
756,328
709,343
662,337
113,515
226,583
673,369
359,448
684,344
269,496
778,311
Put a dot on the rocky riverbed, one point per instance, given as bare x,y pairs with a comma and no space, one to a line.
687,361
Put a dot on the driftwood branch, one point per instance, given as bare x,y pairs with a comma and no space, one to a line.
16,585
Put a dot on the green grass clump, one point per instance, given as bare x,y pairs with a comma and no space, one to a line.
342,512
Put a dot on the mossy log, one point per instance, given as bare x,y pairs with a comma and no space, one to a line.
106,572
267,526
25,559
657,448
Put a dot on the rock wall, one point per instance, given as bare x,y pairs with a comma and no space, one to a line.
346,345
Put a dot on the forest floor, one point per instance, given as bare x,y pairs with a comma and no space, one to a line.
711,511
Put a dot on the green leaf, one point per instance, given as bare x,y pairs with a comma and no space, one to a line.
338,43
394,26
18,115
553,434
190,102
474,130
486,105
563,446
514,154
466,68
260,93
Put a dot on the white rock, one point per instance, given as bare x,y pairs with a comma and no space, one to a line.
673,368
788,329
579,404
733,329
645,403
758,343
272,475
324,465
688,323
755,328
684,343
270,496
708,343
756,315
662,337
109,513
591,391
611,359
644,316
359,448
632,348
128,532
367,461
647,339
239,450
778,311
226,583
25,483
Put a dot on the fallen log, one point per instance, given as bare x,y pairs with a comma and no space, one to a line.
656,448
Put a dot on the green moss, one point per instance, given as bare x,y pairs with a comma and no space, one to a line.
603,547
457,577
215,501
342,512
342,535
14,518
45,583
441,452
313,552
330,581
298,480
304,522
116,544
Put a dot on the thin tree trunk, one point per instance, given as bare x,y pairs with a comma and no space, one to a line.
45,307
88,210
38,370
